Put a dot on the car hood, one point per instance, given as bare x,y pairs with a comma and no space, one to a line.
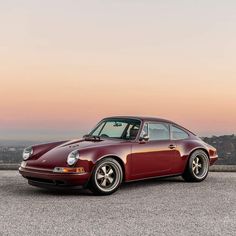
57,156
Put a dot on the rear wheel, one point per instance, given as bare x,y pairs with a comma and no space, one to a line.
197,168
106,177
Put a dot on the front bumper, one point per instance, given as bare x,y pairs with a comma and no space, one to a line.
46,178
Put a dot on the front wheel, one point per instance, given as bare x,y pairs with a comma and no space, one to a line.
197,168
106,177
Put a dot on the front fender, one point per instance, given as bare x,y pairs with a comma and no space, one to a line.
90,156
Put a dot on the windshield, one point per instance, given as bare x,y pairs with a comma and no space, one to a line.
117,128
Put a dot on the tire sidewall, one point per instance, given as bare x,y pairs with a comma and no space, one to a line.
190,162
93,183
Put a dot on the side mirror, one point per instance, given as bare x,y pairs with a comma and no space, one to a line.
145,138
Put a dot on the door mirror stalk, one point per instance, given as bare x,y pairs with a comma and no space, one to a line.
144,139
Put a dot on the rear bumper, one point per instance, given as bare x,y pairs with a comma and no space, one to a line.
213,159
49,179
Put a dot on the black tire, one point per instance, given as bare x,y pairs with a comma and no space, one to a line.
197,167
106,177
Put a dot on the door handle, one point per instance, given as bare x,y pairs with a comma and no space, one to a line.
172,146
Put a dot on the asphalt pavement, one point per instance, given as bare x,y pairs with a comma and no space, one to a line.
153,207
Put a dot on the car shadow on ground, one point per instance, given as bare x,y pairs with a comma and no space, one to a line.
23,189
152,182
31,190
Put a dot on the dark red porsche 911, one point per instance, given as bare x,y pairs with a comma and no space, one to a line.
119,149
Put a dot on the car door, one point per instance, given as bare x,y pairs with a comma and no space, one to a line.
157,155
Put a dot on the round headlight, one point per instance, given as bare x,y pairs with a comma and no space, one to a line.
27,153
72,158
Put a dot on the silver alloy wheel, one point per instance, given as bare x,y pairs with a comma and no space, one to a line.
107,176
200,166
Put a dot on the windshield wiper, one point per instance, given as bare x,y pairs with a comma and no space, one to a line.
89,137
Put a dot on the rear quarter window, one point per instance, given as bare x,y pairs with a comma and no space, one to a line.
178,133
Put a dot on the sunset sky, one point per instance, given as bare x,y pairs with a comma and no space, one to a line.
64,65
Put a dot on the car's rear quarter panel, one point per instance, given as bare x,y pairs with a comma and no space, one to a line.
187,147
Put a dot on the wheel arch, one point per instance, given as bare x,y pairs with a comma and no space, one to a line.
115,157
192,151
202,149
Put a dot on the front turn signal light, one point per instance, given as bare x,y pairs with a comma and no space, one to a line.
78,170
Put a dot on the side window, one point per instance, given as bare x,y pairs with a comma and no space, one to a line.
158,131
132,131
178,134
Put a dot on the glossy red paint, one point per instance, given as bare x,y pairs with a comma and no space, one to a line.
139,159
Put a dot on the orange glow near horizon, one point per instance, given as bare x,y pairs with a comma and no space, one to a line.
71,66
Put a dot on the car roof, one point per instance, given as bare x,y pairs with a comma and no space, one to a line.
143,118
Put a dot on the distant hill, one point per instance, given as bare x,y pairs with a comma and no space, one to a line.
11,151
226,147
18,143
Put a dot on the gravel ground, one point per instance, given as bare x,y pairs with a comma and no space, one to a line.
153,207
